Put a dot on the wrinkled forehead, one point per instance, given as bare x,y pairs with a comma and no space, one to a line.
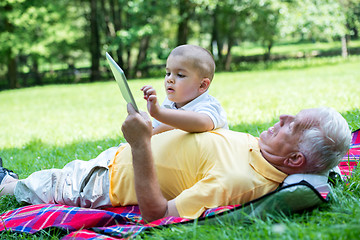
306,119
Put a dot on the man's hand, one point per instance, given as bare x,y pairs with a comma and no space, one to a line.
137,127
151,98
137,130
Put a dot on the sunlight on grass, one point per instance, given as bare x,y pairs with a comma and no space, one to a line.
62,114
293,49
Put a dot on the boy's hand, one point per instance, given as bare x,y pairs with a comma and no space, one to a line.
137,127
151,98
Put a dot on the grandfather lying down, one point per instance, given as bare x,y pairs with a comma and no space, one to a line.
183,174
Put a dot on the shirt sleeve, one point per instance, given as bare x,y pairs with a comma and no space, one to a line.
215,112
205,194
155,123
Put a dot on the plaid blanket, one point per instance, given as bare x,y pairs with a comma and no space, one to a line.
119,222
351,159
85,223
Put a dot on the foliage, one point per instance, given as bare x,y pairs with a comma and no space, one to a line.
40,28
351,9
34,32
312,19
38,35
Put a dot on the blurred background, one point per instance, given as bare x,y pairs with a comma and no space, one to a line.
64,41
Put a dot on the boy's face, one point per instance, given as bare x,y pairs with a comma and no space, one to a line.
182,80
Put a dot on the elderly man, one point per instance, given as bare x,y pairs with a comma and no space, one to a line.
182,174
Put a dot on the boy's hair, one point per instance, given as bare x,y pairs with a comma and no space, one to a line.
201,59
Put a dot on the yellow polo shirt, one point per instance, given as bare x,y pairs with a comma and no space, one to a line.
200,170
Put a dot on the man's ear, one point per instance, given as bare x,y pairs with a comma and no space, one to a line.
205,83
296,160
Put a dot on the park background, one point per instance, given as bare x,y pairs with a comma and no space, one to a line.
45,42
59,101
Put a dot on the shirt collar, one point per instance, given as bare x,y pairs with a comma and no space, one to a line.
262,166
190,104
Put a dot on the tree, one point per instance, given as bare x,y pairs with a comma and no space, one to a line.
33,31
94,42
185,11
112,12
265,24
6,35
351,10
232,27
313,19
141,35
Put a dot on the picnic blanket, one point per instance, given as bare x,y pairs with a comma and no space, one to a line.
351,159
126,222
85,223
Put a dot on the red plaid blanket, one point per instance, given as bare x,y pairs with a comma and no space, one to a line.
351,159
85,223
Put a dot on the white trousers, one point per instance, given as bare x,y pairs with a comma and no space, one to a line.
79,183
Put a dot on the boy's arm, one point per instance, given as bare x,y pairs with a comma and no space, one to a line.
137,131
162,128
185,120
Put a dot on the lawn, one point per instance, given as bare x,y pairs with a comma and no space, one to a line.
293,49
45,127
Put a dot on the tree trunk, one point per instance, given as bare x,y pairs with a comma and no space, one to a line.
268,51
11,60
35,70
183,28
94,43
12,71
231,42
144,45
127,59
228,58
116,16
344,51
216,44
127,70
356,33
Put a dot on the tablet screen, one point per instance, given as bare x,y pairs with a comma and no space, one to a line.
122,81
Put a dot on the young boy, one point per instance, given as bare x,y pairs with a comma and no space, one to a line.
189,72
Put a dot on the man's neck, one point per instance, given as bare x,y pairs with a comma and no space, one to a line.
278,162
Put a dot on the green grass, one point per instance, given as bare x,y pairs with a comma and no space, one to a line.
292,48
44,127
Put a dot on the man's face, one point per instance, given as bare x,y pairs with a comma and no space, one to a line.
281,140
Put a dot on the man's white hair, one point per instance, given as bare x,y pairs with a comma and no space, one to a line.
325,143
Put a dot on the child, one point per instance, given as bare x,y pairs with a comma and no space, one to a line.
189,72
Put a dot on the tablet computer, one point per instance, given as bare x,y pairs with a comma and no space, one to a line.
121,81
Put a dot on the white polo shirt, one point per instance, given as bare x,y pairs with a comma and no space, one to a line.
205,103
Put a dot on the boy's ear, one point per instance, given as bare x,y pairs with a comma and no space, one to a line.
205,83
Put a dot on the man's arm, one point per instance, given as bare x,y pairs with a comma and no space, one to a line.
137,131
185,120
